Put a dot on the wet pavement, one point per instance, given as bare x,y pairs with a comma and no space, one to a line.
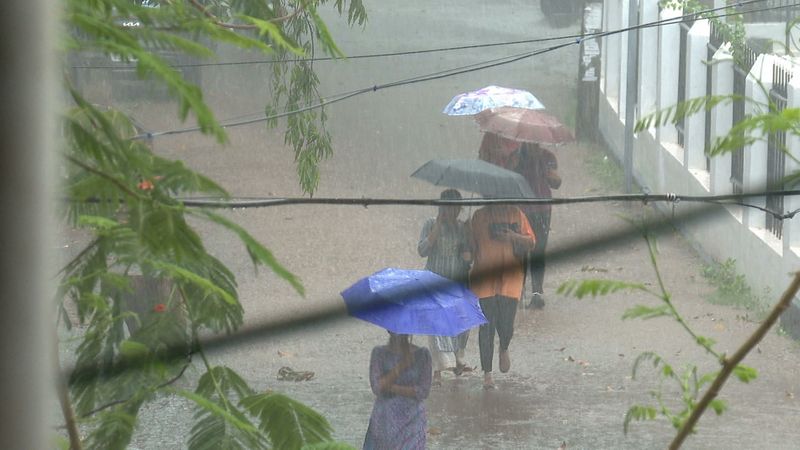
570,380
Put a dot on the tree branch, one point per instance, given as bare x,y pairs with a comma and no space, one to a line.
162,385
729,364
102,174
239,26
67,411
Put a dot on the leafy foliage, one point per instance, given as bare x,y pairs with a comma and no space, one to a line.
597,287
688,381
732,287
289,424
124,196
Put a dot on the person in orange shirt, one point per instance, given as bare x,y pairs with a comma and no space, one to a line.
500,238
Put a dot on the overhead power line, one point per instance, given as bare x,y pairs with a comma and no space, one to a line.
335,310
387,54
265,202
473,67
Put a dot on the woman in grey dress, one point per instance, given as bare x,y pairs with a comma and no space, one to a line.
445,242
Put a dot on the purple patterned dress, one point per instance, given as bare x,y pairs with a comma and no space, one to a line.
399,422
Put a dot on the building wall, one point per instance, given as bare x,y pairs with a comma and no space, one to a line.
662,165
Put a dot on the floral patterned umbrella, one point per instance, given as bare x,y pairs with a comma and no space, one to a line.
473,102
524,125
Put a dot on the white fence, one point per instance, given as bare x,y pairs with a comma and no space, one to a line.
672,158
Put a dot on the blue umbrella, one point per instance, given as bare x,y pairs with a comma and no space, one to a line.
414,302
473,102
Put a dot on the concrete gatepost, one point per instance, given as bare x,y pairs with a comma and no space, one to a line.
611,52
648,61
759,82
623,59
694,125
721,118
669,39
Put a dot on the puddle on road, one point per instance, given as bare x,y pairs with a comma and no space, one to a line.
462,414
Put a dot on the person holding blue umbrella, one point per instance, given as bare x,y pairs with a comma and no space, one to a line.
400,377
407,302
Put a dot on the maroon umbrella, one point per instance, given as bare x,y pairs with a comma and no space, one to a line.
526,125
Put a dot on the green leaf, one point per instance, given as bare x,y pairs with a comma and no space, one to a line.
290,424
269,29
225,379
719,406
223,386
745,374
328,446
132,349
596,287
98,223
645,356
646,312
186,275
322,31
258,253
682,110
115,427
707,378
706,342
638,412
239,422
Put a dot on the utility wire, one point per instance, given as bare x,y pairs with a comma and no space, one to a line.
393,54
261,202
470,68
335,310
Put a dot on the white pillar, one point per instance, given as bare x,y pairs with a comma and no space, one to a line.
694,125
668,44
612,51
648,60
623,58
759,82
721,118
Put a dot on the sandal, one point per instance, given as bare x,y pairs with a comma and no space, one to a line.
459,369
287,374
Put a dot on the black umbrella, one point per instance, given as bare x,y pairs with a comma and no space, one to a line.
475,175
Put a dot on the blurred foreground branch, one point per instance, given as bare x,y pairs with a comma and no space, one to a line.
729,364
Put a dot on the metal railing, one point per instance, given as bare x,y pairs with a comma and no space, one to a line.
715,40
740,70
776,150
759,12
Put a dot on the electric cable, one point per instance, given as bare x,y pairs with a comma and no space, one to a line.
463,69
392,54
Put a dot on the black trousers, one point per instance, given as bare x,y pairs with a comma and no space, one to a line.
500,312
534,264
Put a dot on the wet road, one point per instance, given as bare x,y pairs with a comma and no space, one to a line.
570,380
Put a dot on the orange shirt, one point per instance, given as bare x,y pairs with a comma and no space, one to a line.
495,269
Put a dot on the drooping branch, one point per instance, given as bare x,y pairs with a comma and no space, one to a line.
216,20
71,424
102,174
729,364
160,386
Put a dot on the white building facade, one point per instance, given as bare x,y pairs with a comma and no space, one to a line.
688,59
